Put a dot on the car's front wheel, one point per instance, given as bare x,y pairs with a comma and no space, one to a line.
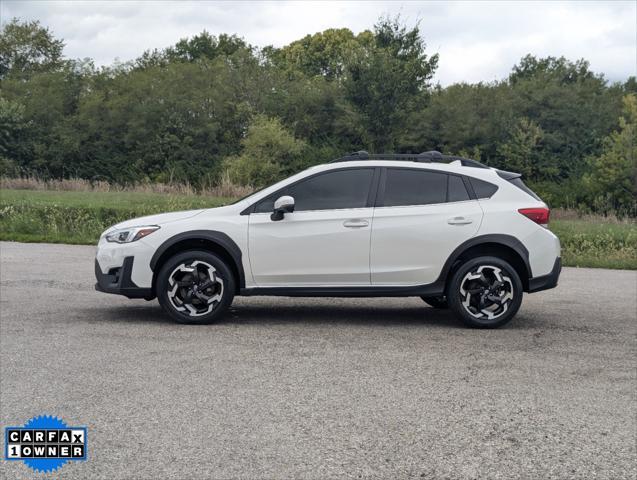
485,292
195,287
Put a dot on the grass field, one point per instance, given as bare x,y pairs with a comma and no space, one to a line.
80,217
597,243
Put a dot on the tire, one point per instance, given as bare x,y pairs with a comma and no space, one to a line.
179,288
436,302
485,292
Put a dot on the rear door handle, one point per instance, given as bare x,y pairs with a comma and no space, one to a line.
459,221
356,223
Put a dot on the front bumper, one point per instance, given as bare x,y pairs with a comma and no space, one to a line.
118,281
545,282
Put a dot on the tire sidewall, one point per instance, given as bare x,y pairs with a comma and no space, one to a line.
222,270
455,300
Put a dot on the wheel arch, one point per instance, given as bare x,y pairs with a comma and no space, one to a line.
209,240
505,247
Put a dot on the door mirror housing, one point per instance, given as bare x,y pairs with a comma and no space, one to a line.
283,205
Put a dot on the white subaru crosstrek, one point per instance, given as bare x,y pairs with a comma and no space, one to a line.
450,230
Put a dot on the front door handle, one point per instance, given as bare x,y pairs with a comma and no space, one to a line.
459,221
356,223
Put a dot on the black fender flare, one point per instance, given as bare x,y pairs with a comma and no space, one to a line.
506,240
219,238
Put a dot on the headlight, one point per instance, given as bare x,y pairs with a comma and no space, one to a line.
127,235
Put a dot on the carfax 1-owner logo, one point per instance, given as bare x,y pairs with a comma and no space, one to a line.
45,443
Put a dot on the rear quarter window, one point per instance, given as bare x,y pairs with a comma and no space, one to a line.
483,189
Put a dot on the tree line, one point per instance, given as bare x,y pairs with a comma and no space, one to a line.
212,106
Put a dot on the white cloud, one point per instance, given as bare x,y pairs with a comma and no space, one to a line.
476,40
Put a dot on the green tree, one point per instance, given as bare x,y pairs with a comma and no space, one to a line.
463,117
48,88
387,81
171,123
205,46
614,172
550,68
27,48
13,132
327,54
50,101
384,76
268,152
572,105
201,47
521,152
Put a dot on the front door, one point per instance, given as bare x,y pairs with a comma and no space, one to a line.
324,242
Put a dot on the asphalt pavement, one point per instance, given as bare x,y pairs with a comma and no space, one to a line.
320,388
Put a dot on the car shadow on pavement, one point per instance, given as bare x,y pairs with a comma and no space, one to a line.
141,313
341,314
263,314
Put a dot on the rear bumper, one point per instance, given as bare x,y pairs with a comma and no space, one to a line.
545,282
118,281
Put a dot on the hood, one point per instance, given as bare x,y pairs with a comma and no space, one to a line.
159,219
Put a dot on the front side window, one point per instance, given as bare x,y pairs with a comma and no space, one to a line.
412,187
327,191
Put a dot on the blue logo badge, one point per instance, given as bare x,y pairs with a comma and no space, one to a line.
45,443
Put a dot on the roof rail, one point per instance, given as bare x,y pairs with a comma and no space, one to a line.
423,157
431,155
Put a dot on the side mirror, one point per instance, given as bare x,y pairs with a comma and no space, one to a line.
283,205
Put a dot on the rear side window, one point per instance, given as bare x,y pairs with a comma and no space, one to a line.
328,191
457,192
411,187
483,189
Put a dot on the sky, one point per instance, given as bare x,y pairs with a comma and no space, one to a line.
477,41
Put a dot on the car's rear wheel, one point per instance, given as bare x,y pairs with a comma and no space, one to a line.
436,302
195,287
485,292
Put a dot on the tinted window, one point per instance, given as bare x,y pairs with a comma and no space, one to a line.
267,204
328,191
413,187
483,189
457,190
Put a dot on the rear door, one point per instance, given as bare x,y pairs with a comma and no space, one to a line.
420,218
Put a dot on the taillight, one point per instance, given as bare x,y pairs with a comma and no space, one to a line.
538,215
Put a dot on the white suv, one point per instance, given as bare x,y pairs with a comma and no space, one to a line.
447,229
